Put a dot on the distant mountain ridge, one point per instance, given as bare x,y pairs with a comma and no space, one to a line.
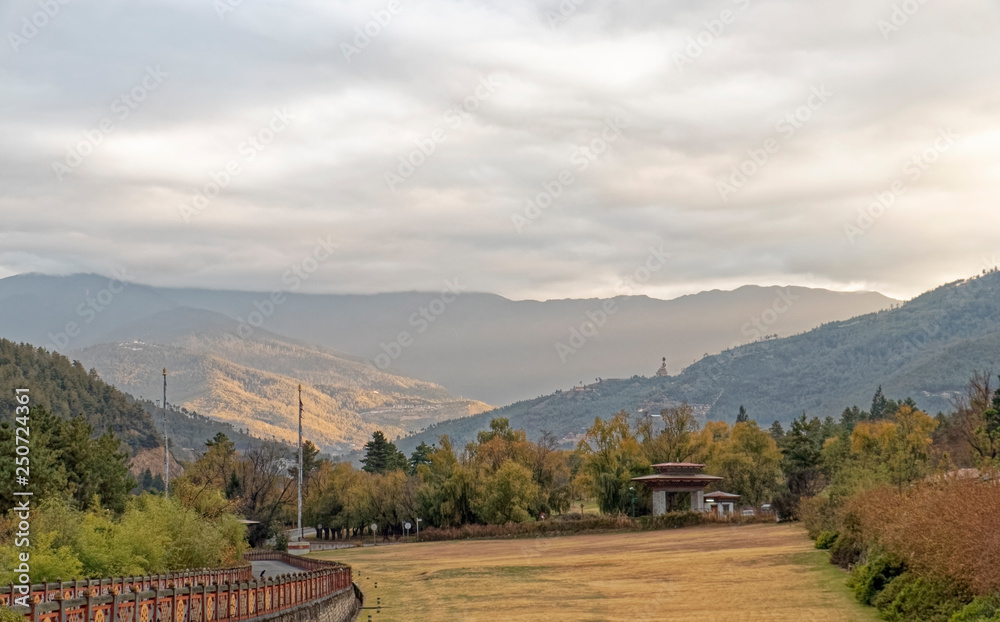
130,332
925,349
481,346
253,383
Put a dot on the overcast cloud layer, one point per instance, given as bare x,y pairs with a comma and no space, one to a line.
668,97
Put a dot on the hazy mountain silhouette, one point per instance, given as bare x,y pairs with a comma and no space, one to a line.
925,349
481,346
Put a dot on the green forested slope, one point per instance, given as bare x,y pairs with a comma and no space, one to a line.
67,390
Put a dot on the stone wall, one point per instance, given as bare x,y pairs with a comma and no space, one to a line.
341,607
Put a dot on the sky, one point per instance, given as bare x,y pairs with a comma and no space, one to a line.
573,148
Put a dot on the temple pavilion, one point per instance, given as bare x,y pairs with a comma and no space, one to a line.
677,478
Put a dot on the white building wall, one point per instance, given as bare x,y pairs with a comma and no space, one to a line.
659,502
698,501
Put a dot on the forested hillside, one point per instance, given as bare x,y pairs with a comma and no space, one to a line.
925,349
67,390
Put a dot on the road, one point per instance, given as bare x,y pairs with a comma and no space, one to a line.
273,568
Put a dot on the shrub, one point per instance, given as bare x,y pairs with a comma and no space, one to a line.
560,526
935,528
868,579
826,539
982,609
671,520
818,514
910,598
281,541
846,551
9,615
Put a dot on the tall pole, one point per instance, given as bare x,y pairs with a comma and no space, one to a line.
300,463
166,440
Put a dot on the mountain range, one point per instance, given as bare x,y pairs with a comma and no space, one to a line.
926,349
239,357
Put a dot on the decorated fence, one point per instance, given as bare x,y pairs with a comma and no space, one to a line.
222,595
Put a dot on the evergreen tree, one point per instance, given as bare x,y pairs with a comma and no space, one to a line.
803,456
880,405
777,432
381,456
68,463
742,417
420,455
851,417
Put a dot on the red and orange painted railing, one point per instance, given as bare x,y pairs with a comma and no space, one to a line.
221,595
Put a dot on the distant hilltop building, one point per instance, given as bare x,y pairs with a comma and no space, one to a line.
662,371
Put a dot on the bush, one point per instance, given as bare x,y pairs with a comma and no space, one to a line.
934,527
910,598
281,541
982,609
671,520
868,579
826,539
818,514
154,535
846,551
562,526
9,615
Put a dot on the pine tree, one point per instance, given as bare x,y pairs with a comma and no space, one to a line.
879,405
420,455
777,432
742,417
381,456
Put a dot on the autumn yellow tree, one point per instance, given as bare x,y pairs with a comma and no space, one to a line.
899,448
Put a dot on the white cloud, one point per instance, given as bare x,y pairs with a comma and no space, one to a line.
354,120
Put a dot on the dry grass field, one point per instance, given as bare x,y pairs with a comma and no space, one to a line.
735,574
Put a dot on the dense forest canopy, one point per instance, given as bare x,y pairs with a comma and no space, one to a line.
67,390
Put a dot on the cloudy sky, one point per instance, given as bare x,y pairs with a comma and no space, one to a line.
532,149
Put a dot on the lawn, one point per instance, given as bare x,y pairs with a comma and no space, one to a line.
737,574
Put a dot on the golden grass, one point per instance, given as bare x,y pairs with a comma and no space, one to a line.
737,574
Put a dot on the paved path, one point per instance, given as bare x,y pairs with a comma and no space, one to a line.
273,568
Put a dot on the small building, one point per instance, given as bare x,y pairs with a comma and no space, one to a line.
721,503
677,478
